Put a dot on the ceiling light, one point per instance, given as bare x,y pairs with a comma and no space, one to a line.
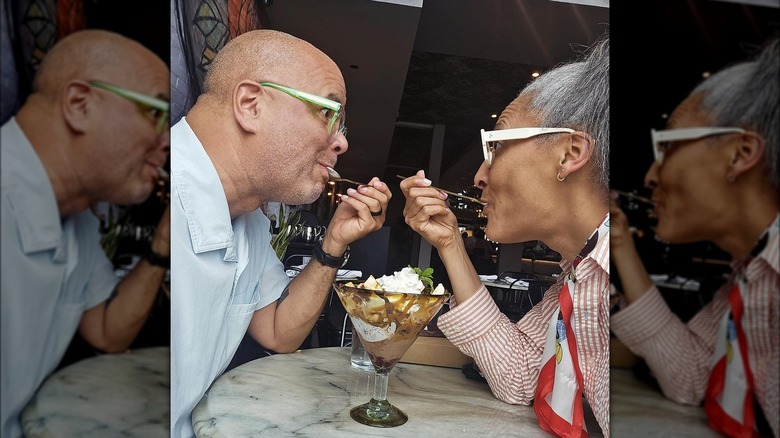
597,3
535,74
493,116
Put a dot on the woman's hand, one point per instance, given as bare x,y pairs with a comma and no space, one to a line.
620,237
427,213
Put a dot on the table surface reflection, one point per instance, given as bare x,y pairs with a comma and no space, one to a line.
310,393
640,411
110,395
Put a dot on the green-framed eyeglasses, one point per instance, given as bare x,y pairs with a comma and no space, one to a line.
160,108
327,104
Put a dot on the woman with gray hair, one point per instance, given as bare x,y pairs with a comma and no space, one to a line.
715,178
545,177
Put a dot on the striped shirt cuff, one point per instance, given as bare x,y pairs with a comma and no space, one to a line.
470,319
642,319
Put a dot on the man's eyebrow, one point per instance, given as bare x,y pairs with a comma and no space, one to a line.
335,98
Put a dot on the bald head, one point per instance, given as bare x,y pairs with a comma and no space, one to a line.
266,55
92,55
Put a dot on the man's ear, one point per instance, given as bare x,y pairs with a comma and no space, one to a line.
745,153
76,105
246,104
576,153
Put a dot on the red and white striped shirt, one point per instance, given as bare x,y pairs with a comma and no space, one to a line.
509,355
680,355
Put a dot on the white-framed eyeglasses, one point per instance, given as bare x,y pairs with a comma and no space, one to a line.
491,139
663,139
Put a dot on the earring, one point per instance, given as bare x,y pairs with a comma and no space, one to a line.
558,176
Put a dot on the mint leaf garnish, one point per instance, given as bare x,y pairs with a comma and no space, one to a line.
426,277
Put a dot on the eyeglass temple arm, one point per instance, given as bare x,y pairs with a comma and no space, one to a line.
327,103
138,97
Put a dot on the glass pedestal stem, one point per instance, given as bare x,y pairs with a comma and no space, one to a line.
380,386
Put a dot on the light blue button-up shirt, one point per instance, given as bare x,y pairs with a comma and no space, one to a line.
221,272
52,271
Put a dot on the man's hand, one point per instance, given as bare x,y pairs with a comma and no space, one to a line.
427,213
353,218
161,243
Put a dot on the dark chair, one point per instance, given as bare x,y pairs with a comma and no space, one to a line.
369,254
516,303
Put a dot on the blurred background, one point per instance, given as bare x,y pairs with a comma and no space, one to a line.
658,59
29,29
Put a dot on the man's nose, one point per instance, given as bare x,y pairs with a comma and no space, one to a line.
164,139
340,143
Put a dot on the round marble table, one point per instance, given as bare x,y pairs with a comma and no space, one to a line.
640,411
309,393
126,394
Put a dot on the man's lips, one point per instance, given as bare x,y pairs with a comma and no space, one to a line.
325,166
158,172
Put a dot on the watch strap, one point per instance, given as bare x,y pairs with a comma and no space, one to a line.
158,260
328,260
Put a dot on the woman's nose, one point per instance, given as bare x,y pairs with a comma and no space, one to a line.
651,177
481,177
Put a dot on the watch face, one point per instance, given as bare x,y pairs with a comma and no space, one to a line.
346,257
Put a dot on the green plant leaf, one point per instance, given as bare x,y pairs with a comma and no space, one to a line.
426,276
287,223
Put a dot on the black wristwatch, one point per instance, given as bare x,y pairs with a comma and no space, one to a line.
158,260
328,260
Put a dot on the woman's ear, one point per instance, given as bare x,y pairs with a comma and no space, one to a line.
745,154
76,105
246,104
575,153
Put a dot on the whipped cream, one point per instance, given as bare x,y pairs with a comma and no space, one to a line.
405,280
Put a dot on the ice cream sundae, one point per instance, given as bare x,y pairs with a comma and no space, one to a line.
388,314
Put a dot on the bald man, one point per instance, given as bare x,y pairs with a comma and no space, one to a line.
93,130
267,126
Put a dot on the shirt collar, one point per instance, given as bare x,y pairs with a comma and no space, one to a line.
765,249
200,192
596,248
30,194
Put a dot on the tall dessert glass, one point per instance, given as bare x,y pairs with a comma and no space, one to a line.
387,323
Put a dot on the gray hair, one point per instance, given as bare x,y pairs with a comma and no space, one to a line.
576,95
746,95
